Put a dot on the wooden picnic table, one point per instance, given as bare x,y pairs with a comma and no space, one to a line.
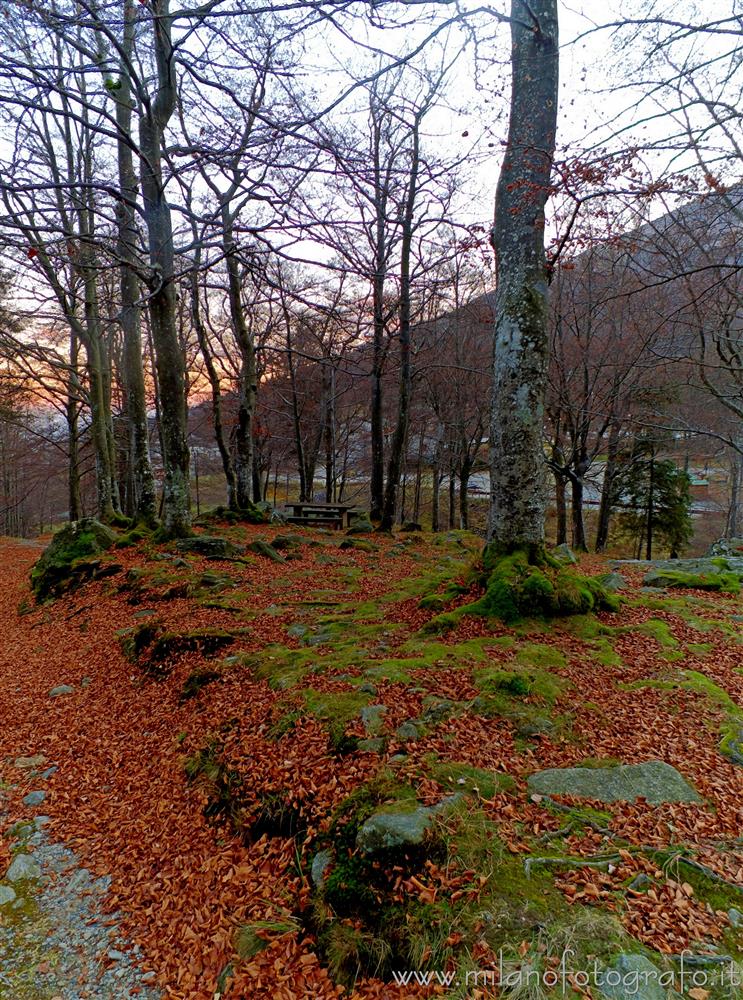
310,512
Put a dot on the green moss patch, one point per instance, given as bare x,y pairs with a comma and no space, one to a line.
70,560
517,588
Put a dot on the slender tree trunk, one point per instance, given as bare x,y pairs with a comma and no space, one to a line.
734,524
578,537
73,437
517,486
296,420
651,508
248,385
418,476
435,496
400,435
216,391
452,496
607,488
378,352
561,508
329,393
464,478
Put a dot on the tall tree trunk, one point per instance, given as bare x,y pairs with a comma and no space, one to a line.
248,385
144,505
169,360
378,352
517,486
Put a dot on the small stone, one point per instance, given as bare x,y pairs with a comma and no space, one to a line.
564,554
114,955
27,762
86,682
735,917
368,688
149,977
320,864
78,880
632,977
407,731
7,895
60,690
640,882
46,775
34,798
372,717
375,744
436,710
40,821
23,867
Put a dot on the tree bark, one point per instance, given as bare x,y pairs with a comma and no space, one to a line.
144,505
169,359
517,474
400,434
607,488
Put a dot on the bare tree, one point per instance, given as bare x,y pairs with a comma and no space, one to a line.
517,499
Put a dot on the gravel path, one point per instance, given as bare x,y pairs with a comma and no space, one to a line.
56,940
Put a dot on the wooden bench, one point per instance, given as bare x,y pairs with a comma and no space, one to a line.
320,515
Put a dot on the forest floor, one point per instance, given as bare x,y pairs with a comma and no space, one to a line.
232,735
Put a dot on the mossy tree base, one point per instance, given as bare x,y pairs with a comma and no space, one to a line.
525,584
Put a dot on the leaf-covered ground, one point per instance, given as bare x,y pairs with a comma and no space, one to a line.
217,728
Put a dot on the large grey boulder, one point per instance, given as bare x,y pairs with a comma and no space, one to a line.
726,547
654,780
395,828
23,867
612,582
693,572
634,977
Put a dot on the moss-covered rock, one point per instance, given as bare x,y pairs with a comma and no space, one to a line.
211,546
517,587
654,780
263,548
718,574
252,514
69,560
